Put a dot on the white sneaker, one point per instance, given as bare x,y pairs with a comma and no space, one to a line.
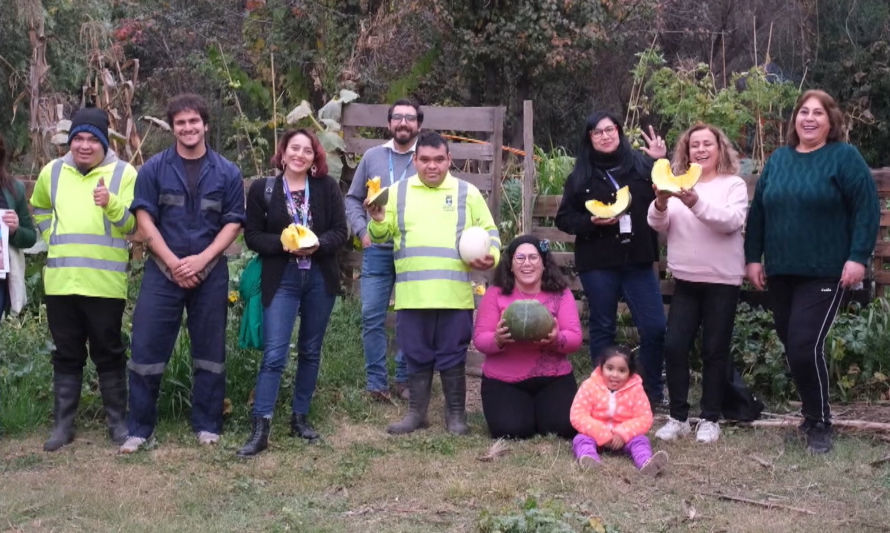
131,445
206,438
707,431
673,429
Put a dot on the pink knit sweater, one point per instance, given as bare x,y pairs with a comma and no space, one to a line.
704,242
518,361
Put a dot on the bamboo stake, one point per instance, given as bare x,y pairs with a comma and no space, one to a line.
850,424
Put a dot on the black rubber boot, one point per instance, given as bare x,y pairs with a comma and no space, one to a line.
66,389
454,387
420,384
113,386
819,438
259,437
300,427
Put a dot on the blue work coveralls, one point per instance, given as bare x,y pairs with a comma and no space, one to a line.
188,225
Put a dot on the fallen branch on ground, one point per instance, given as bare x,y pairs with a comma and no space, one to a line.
761,503
849,424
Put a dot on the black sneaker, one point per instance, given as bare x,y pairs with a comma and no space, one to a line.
819,438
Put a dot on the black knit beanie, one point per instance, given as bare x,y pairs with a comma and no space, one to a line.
91,120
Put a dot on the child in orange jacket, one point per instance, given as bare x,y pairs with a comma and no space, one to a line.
611,411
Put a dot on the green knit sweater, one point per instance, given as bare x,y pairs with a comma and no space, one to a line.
812,212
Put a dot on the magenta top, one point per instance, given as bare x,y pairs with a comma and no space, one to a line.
518,361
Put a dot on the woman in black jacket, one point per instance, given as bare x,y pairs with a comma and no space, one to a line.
615,256
295,282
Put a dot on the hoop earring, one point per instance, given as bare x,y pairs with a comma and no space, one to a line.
313,170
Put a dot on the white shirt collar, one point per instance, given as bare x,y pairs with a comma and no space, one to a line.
391,144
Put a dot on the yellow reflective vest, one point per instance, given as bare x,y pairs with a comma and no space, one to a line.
425,225
88,252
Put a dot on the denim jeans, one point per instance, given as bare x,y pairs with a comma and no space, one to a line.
711,305
639,286
301,293
378,277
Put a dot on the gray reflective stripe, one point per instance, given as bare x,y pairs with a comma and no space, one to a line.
43,226
87,238
120,223
433,275
177,200
53,188
461,211
153,369
43,211
495,238
210,366
211,205
116,177
426,251
401,193
86,262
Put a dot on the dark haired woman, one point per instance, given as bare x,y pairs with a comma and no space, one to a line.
614,257
302,282
813,222
16,217
527,387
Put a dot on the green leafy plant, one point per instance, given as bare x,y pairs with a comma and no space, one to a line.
550,517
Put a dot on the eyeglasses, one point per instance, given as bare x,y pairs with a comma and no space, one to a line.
406,118
609,130
531,258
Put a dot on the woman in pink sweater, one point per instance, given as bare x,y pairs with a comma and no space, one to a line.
527,387
703,226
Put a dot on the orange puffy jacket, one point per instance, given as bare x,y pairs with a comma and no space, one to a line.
600,413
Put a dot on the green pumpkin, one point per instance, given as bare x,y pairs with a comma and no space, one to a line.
528,320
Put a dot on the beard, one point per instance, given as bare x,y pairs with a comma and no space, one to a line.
403,135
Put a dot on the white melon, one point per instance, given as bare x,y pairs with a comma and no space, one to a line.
474,244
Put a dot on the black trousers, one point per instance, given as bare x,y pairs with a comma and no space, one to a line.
535,406
75,320
711,306
804,309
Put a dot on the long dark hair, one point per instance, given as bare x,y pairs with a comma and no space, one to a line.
5,179
552,279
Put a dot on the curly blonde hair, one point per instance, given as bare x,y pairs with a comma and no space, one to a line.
728,162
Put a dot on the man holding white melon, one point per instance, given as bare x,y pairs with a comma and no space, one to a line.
425,216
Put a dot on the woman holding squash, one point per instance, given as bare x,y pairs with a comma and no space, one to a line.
811,229
528,385
614,256
301,280
703,225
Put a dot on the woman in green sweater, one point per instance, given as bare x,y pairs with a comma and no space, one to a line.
811,229
15,215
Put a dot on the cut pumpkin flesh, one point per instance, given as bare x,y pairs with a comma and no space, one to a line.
664,179
297,236
618,207
377,195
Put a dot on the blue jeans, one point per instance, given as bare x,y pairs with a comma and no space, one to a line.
378,277
301,293
639,286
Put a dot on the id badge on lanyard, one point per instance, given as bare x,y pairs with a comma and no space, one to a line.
301,216
625,228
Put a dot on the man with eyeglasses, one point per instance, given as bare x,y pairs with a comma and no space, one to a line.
425,217
391,162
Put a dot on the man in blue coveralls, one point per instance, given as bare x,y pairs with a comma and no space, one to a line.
189,207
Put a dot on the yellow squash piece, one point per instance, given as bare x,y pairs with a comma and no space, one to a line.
297,236
602,210
664,179
377,195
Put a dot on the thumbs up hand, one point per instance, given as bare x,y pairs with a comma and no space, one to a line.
100,194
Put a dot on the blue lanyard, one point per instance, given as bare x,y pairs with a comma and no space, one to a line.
392,174
614,183
304,209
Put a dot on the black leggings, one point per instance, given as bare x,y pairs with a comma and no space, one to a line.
535,406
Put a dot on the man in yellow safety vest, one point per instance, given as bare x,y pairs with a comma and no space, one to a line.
424,218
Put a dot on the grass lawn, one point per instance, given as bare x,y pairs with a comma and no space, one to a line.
361,479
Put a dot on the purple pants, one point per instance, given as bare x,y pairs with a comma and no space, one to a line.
638,448
434,338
